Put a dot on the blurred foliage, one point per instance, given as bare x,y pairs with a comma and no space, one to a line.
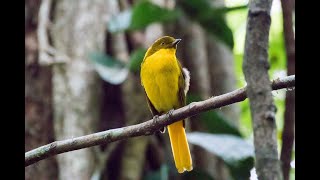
237,22
214,121
113,70
142,14
105,60
136,59
240,170
233,150
217,123
109,69
211,18
230,148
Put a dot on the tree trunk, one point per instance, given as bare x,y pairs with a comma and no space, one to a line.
289,116
78,29
38,99
255,68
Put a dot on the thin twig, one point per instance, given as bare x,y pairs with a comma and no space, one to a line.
148,127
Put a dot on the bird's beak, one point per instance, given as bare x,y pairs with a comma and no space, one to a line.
175,42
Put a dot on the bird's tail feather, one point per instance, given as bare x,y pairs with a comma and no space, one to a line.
180,147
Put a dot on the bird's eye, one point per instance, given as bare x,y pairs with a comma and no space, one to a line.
162,43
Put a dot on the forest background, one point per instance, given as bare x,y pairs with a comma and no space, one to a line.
82,63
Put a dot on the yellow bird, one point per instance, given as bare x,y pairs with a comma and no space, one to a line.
166,84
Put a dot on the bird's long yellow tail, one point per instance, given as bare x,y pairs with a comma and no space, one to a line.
180,147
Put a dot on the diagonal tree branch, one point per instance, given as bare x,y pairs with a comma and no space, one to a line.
148,127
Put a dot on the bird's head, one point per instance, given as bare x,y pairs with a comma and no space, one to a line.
165,42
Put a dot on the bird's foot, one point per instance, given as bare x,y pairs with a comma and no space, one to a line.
155,120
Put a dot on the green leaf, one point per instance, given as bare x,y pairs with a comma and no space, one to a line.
105,60
233,150
211,19
141,15
217,123
145,13
120,22
108,68
214,121
218,27
136,58
230,148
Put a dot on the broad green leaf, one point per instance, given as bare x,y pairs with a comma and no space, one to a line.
217,123
141,15
145,13
211,19
105,60
233,150
108,68
214,121
120,22
136,58
230,148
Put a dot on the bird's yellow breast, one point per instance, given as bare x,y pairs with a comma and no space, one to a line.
159,77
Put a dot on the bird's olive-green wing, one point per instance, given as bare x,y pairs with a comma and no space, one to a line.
154,111
151,106
182,87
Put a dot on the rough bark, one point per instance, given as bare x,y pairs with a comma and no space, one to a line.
78,29
38,110
255,68
289,115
